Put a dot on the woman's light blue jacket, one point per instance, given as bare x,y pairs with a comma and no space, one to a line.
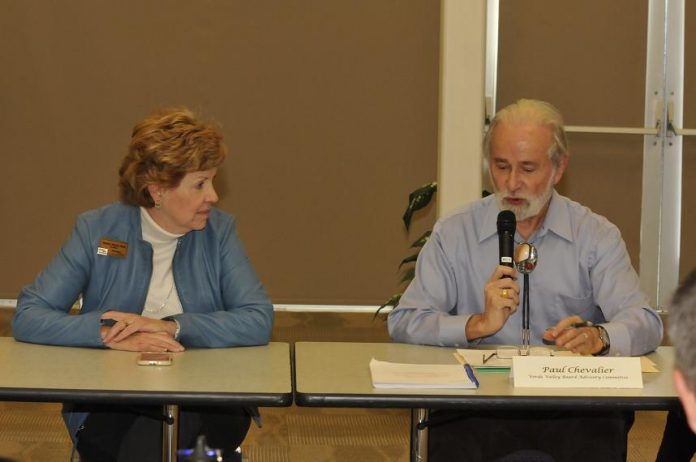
224,303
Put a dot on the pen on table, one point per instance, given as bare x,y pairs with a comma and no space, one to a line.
470,373
576,325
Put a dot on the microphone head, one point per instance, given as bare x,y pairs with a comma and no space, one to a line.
526,258
506,222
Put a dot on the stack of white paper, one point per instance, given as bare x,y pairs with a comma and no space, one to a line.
398,375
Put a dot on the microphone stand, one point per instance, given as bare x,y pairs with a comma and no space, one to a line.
525,317
525,262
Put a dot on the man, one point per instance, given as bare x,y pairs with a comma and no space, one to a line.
679,441
461,297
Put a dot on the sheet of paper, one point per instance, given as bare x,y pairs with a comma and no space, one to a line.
399,375
484,359
477,357
501,357
647,365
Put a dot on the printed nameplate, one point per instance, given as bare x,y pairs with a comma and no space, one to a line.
112,248
576,372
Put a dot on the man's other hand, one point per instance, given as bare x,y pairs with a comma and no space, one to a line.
574,334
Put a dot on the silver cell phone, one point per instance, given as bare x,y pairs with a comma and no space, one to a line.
155,359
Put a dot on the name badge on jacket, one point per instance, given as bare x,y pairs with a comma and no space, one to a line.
112,248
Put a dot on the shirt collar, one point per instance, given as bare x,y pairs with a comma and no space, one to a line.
488,226
152,232
557,219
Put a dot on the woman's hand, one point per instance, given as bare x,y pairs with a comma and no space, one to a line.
128,324
146,341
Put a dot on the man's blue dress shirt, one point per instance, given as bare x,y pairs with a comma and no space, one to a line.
583,269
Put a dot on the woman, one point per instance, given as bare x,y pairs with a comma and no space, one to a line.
163,270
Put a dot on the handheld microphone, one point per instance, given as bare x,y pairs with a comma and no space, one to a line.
506,237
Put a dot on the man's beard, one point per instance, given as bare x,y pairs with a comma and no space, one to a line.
534,203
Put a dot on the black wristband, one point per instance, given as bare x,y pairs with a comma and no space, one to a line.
604,337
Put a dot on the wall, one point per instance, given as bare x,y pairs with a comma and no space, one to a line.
329,110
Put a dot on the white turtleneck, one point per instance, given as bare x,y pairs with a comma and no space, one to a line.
162,298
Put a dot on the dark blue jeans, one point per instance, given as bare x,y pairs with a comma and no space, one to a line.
678,441
561,436
120,433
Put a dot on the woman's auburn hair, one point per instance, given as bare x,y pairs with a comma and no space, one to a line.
164,147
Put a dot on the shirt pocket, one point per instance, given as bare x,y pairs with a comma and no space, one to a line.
584,306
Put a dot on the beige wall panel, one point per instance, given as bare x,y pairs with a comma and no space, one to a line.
690,65
605,173
687,261
329,110
587,58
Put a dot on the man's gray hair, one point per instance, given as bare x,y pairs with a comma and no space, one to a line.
535,112
682,328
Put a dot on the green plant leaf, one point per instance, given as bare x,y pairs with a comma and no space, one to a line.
420,242
393,301
417,200
410,259
408,275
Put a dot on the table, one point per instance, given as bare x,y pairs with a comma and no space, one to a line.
241,376
337,375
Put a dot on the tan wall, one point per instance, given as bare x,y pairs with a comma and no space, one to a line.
329,109
688,229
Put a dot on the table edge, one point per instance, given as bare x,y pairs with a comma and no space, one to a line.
486,402
284,399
